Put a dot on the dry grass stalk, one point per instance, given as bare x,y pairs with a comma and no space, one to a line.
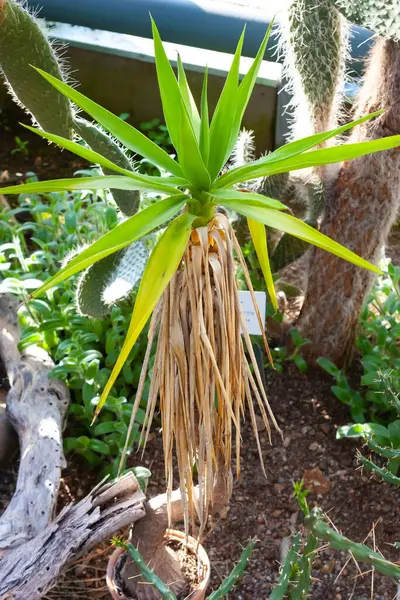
202,375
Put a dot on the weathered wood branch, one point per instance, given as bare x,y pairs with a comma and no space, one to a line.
31,570
36,407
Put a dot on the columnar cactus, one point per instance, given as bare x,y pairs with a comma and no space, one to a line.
316,523
294,580
110,280
100,141
360,207
314,41
314,45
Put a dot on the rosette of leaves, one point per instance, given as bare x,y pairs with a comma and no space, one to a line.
205,370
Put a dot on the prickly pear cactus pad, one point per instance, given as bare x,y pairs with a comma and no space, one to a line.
22,43
111,279
381,16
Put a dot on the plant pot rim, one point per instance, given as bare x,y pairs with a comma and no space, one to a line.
171,535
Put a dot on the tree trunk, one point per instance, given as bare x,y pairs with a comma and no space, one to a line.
361,206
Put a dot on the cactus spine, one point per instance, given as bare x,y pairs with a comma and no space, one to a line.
381,16
318,526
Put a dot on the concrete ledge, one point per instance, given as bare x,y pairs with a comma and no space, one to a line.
139,48
118,72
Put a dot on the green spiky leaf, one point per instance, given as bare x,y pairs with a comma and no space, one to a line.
188,99
229,197
259,237
125,133
178,120
162,264
122,235
96,158
101,182
295,155
245,90
224,115
205,123
288,224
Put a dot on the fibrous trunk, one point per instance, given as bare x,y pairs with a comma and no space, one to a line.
201,373
361,206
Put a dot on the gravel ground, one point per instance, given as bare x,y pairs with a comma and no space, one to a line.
264,508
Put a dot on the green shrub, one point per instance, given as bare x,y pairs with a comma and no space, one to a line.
83,349
378,399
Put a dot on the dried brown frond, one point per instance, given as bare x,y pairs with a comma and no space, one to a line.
205,370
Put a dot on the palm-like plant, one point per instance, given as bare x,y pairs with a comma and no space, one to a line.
201,373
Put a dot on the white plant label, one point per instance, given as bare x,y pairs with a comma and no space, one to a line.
249,312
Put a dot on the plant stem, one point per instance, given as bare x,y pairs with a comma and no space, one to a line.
149,575
315,523
279,591
235,575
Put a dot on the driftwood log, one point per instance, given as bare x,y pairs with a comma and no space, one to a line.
32,569
36,408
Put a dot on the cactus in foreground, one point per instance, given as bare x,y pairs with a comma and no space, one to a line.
382,472
316,523
287,572
232,579
166,594
147,573
295,576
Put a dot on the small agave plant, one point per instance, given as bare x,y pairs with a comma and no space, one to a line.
205,371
